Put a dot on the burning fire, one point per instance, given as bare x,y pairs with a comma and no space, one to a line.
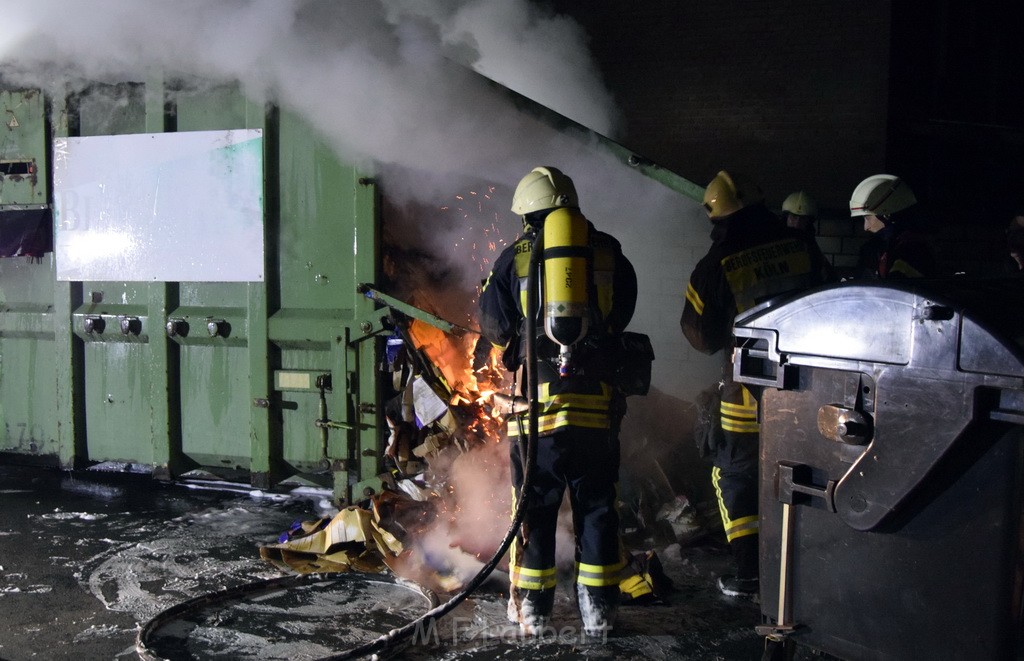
466,473
447,497
454,356
470,390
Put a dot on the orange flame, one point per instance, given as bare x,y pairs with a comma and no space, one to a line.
453,358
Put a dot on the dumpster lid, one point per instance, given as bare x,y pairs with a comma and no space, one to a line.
874,321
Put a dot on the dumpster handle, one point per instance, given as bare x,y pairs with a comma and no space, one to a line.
756,359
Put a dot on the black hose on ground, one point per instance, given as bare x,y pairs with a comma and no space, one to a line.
382,643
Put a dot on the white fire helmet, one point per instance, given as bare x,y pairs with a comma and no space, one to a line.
881,195
544,188
800,204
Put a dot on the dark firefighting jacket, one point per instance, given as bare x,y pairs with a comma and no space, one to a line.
897,252
753,257
583,400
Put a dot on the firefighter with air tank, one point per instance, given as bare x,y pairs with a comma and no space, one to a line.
589,295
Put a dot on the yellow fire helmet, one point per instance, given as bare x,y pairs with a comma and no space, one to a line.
728,193
544,188
881,195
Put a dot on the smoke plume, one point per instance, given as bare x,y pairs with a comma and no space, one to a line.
388,82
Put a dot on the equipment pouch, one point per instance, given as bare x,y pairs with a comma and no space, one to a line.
633,363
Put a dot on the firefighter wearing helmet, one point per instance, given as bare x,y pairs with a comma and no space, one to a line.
897,249
800,211
591,300
753,257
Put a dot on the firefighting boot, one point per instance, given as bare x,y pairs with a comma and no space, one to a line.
530,609
745,582
598,608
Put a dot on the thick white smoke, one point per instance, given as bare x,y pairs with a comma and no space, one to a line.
377,77
390,84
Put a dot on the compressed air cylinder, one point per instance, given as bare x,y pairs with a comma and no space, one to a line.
567,256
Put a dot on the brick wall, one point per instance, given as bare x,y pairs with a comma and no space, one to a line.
796,94
840,238
793,93
971,249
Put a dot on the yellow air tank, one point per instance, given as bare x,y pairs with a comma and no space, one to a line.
567,256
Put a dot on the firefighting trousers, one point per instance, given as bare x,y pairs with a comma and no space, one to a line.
586,461
735,471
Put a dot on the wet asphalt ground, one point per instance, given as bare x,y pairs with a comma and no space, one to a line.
87,559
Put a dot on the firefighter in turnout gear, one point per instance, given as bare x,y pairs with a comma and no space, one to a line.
754,256
578,408
800,212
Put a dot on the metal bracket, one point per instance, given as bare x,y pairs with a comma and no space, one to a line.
795,488
412,311
774,631
380,322
332,424
756,359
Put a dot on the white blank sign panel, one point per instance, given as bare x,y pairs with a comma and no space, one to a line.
160,207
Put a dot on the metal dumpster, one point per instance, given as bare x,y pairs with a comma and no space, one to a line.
891,467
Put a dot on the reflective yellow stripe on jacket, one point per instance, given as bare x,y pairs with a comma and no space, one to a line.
694,298
567,410
740,418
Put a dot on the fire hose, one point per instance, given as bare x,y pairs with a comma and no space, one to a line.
382,643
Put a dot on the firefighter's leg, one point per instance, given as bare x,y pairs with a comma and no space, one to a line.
735,478
532,570
635,586
592,475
